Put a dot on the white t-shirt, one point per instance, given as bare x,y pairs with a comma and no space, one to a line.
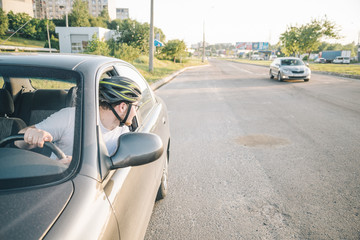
61,126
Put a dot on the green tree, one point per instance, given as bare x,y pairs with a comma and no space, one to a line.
79,16
312,34
97,47
174,50
102,20
289,41
4,22
115,24
97,22
105,14
307,38
21,21
134,34
54,43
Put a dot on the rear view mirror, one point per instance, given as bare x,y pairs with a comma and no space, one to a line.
137,149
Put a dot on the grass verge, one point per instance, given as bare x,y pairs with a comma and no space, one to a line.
162,68
347,69
17,41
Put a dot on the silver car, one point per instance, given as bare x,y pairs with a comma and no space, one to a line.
97,196
289,68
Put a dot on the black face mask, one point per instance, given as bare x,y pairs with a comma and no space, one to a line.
122,121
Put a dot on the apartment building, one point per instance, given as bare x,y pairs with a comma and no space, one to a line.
54,9
17,6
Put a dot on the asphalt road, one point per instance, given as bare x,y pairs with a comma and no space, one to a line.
253,158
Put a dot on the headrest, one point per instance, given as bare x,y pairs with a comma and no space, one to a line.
71,97
6,103
48,99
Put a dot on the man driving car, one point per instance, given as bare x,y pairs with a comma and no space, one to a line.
118,99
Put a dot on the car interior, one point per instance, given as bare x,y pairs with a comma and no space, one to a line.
22,105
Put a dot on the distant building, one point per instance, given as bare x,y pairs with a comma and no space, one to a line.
75,39
122,13
17,6
55,9
199,45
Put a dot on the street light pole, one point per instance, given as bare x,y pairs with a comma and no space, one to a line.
66,15
203,50
47,27
151,40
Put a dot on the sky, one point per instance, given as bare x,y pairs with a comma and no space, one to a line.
231,21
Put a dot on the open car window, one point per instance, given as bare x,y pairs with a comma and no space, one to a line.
48,99
147,101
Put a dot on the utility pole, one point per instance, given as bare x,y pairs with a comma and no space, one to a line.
203,52
48,34
47,27
151,40
66,15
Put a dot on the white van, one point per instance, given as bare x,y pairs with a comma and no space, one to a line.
342,60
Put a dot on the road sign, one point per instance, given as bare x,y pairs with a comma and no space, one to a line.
157,43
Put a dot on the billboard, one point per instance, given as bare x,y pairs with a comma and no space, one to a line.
252,45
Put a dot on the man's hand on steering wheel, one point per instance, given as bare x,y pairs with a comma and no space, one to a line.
36,137
56,150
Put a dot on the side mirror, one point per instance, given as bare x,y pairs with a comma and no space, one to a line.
137,149
307,64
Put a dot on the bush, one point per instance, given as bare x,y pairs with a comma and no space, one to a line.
97,47
54,43
142,59
127,53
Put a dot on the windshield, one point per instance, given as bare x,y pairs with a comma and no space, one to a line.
47,100
291,62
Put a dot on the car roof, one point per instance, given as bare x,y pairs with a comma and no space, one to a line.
56,60
288,58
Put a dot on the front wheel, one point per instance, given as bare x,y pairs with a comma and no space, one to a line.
163,188
306,80
279,77
270,75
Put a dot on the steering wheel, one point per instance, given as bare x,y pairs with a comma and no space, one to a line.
57,151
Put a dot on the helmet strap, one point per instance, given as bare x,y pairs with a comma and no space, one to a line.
122,121
126,116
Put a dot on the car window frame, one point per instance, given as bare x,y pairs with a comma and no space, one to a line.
144,110
68,173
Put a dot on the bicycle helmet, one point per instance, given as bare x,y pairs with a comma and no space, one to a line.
119,89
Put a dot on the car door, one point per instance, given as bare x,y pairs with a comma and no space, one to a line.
273,67
132,190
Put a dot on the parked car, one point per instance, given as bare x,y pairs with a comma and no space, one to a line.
343,60
96,196
289,68
272,57
256,57
320,60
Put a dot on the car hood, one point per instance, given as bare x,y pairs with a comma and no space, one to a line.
28,214
295,68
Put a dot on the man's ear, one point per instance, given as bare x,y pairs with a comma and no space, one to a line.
122,107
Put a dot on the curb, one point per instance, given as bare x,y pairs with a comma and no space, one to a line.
156,85
337,74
